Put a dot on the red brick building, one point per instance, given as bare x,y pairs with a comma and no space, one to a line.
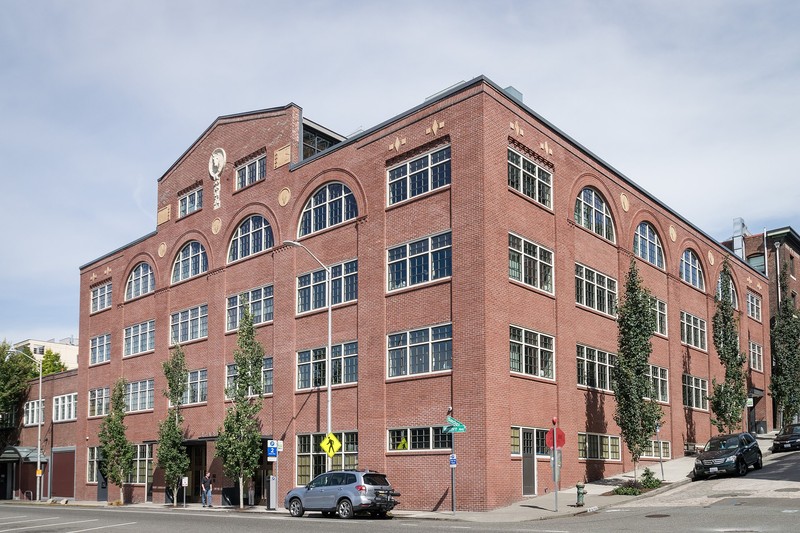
475,255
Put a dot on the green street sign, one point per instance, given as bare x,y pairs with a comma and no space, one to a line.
454,426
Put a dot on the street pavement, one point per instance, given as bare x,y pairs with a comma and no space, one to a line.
550,505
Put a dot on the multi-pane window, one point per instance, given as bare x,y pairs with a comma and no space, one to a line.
312,288
266,378
660,311
100,349
425,173
695,392
196,387
753,306
595,290
530,263
531,353
651,450
421,351
260,302
424,438
99,401
604,447
251,172
33,413
189,324
191,261
595,368
190,202
691,270
312,459
660,383
8,419
693,331
756,356
592,212
315,142
101,297
140,338
534,441
529,178
647,245
92,460
420,261
254,235
65,407
733,295
139,395
311,366
140,282
330,205
142,464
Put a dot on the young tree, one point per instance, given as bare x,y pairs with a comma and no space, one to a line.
785,384
728,398
635,415
239,441
51,363
116,451
172,457
15,371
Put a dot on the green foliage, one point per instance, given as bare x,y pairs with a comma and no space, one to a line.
635,416
239,441
728,399
15,371
649,480
116,451
175,372
51,363
631,488
172,457
785,384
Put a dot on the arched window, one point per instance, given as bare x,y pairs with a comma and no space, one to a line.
647,246
140,282
691,271
190,262
252,236
330,205
734,296
591,212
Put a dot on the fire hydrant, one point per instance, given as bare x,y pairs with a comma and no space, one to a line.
581,490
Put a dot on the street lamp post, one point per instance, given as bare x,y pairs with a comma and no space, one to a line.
39,415
328,376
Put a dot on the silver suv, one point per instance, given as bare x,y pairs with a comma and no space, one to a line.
344,493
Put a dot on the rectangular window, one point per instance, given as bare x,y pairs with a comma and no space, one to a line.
651,451
312,288
139,395
529,178
603,447
425,173
99,400
695,392
142,464
311,458
191,202
140,338
251,172
693,331
261,305
266,378
425,438
65,407
7,419
756,356
420,261
189,324
311,366
100,349
660,310
92,458
34,413
660,384
196,387
421,351
595,290
530,264
538,445
754,306
595,368
101,297
531,353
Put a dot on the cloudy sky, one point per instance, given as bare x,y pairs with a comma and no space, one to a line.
697,101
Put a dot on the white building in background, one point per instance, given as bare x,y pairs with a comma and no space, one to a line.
67,348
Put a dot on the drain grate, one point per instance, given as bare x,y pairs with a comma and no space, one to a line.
656,516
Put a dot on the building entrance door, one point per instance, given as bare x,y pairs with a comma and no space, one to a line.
528,462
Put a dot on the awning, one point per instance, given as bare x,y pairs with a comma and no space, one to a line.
755,392
26,454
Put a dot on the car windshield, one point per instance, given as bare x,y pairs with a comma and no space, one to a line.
725,443
790,430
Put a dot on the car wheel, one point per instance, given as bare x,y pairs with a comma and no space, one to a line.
345,509
296,508
759,463
741,467
697,477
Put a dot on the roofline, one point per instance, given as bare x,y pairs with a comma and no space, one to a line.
786,231
109,254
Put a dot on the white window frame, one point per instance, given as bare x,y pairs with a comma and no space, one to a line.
140,282
311,460
753,306
142,472
100,349
601,287
596,367
693,331
734,295
190,202
608,447
435,253
261,302
691,270
530,264
531,353
695,392
196,387
190,262
659,377
65,407
93,455
647,245
592,212
251,241
312,287
266,377
139,395
33,413
521,178
311,366
651,451
317,213
539,443
101,298
414,439
428,175
756,356
192,322
139,338
251,172
402,347
99,402
659,308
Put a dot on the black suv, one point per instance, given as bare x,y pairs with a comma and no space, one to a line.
787,439
344,493
730,454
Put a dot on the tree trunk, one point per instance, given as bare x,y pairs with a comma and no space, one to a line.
241,492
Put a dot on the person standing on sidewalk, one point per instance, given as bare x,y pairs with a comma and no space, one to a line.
205,490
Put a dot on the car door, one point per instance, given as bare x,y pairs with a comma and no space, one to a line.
748,449
316,493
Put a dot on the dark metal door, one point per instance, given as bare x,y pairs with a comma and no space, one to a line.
528,462
102,485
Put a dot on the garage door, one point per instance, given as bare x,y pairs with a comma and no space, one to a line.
63,474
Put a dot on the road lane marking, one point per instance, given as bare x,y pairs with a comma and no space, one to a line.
102,527
49,525
31,520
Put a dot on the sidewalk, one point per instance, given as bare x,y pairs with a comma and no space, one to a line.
676,472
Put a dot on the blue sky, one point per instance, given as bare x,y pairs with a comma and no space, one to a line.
696,101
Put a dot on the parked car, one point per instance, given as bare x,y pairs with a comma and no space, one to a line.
788,438
729,454
344,493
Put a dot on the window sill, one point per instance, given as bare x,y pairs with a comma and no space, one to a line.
187,342
324,309
426,194
425,375
595,311
531,288
408,288
530,200
532,378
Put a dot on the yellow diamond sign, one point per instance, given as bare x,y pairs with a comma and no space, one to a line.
330,444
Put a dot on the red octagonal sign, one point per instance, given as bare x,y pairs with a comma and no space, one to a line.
560,438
